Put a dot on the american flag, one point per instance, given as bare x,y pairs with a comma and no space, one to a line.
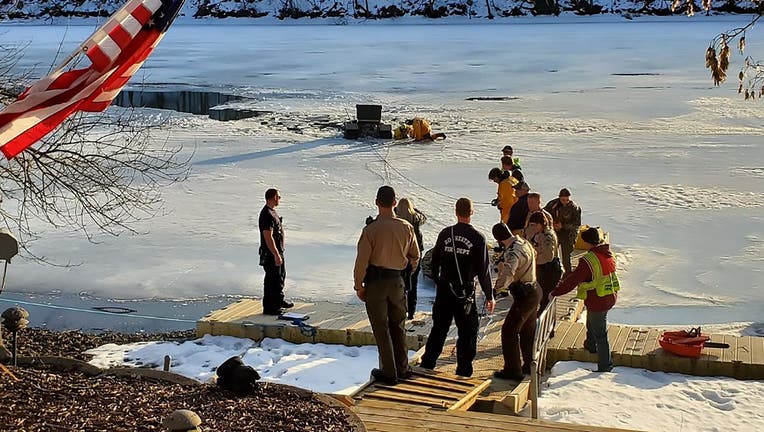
115,52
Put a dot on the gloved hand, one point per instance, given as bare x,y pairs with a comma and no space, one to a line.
495,202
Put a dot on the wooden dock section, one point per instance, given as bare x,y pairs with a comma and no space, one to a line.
425,388
348,325
638,347
440,402
379,416
330,323
501,396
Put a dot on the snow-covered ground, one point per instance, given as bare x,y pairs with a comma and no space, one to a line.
628,398
318,367
655,401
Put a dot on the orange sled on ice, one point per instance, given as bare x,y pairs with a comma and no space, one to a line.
687,343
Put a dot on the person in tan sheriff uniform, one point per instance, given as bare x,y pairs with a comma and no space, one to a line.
386,247
518,274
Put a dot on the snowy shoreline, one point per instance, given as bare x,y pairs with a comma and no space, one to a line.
636,399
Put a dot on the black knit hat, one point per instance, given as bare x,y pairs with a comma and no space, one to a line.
564,192
494,173
592,236
501,232
507,148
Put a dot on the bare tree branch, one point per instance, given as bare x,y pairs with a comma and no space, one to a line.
97,173
751,74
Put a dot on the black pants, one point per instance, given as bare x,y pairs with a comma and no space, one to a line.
446,309
548,276
567,240
411,280
273,285
517,332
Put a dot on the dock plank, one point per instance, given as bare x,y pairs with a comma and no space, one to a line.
634,343
757,350
408,388
645,345
562,329
408,397
728,354
714,354
391,417
580,339
652,350
571,337
616,348
752,370
743,356
743,350
612,334
404,399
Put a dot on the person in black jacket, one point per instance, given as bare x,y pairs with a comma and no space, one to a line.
454,270
272,255
519,212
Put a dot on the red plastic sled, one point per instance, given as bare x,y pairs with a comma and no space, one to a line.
683,343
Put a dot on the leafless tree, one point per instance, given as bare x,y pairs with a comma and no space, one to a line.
11,80
97,173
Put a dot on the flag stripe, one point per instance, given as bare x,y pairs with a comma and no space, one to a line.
99,58
47,111
102,48
39,129
144,45
27,129
116,51
142,14
110,47
131,25
33,99
121,36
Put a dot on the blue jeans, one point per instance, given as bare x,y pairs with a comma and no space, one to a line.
596,339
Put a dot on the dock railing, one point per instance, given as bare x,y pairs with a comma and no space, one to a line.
545,325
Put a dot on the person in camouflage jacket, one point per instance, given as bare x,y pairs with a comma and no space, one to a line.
567,219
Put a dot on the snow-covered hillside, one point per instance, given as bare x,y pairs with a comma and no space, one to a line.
370,9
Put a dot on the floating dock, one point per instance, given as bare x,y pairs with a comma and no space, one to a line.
638,347
330,323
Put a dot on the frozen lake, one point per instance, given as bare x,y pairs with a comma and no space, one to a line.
622,113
